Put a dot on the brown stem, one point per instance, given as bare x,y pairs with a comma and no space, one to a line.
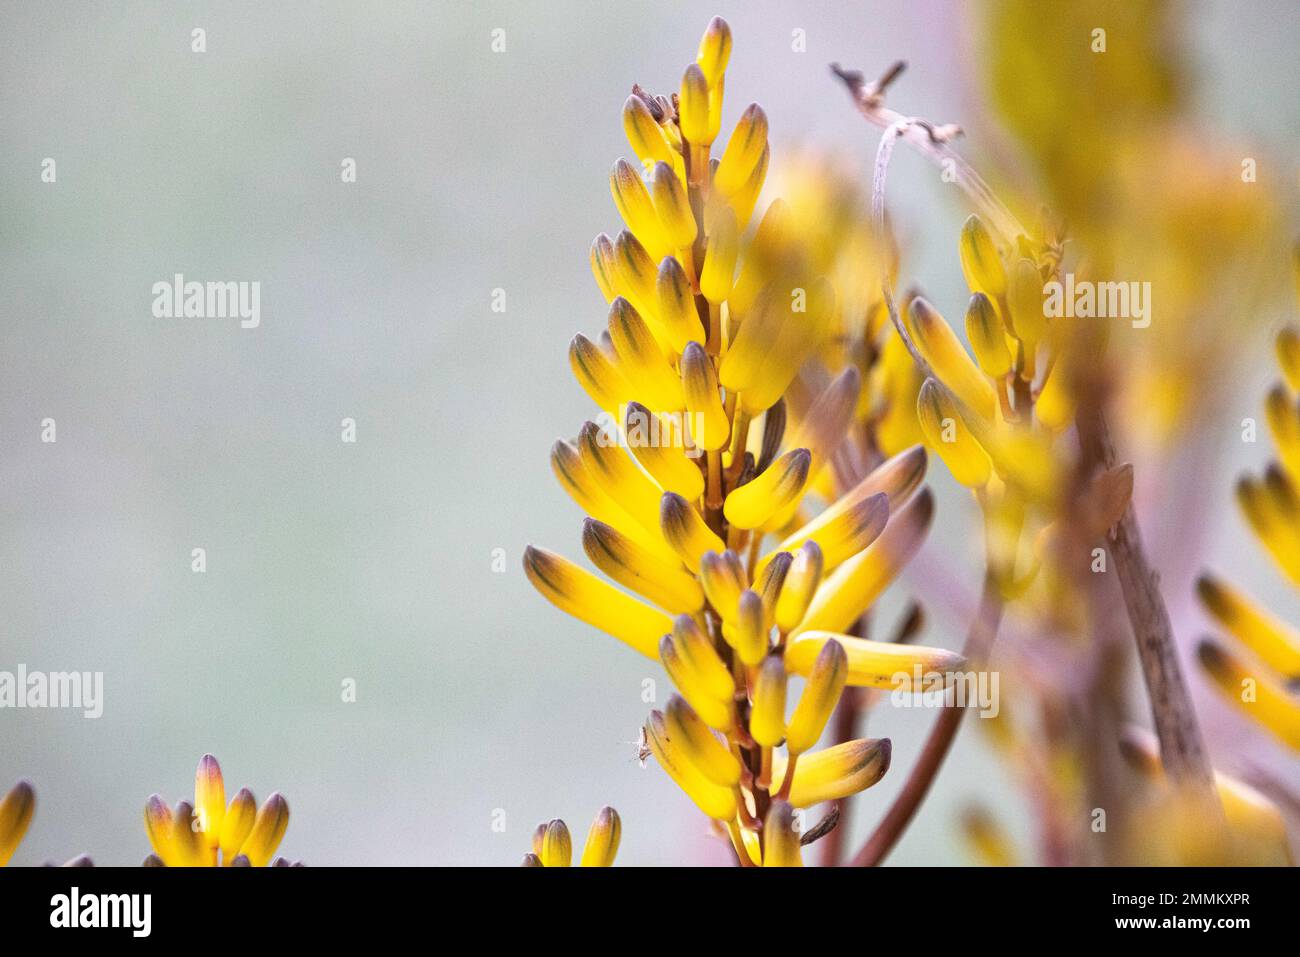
978,642
1182,751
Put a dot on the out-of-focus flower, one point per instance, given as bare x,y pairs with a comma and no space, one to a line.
696,463
987,839
1263,682
16,812
553,847
211,832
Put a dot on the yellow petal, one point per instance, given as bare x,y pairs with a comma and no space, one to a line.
676,220
849,525
948,434
745,199
801,583
748,636
876,664
635,275
780,840
603,266
744,149
693,107
642,359
237,824
599,377
557,845
721,249
664,449
16,812
980,262
836,772
715,50
826,677
714,800
701,659
210,799
1273,641
637,568
854,585
585,597
723,578
942,349
1254,692
1025,303
158,825
802,320
685,530
638,211
823,427
603,839
771,235
1288,356
268,830
703,403
699,744
767,717
696,687
617,475
778,487
187,845
644,134
676,301
988,337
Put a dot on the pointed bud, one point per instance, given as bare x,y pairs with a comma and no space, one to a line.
693,107
16,812
158,825
876,664
747,636
767,717
676,302
1025,303
603,266
1273,641
779,487
638,211
661,444
835,773
642,360
210,799
780,840
268,830
676,220
599,377
237,824
800,584
643,133
699,655
988,337
557,846
531,860
980,261
942,349
744,149
703,403
700,745
603,839
714,51
826,678
584,596
714,800
685,530
1270,706
948,434
639,569
723,578
697,686
1288,356
721,249
614,472
854,585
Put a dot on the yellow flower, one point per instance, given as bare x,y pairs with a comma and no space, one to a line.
212,833
1263,684
553,847
16,812
693,468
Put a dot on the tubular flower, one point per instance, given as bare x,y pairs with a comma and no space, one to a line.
16,810
211,832
692,473
1264,683
553,847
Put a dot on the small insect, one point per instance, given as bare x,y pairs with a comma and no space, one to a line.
643,751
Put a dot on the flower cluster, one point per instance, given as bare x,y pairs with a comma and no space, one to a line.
212,833
693,467
553,847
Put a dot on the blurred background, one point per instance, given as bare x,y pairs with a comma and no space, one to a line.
380,560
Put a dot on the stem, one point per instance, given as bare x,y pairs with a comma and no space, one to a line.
1182,751
978,642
